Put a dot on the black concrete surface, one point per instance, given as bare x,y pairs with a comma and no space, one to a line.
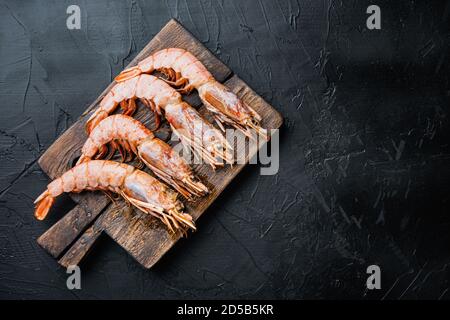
364,157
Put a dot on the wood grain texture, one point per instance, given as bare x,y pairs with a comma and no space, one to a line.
80,248
145,238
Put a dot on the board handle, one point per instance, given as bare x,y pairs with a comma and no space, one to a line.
77,252
64,232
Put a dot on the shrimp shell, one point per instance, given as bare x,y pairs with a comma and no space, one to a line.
131,136
158,96
186,72
137,187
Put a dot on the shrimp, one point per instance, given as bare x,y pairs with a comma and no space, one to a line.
194,131
132,137
185,71
137,187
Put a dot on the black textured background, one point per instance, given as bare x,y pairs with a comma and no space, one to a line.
364,173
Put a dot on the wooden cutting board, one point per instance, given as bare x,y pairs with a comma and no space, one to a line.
142,236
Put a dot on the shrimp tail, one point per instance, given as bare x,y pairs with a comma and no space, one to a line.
83,159
128,74
95,119
43,204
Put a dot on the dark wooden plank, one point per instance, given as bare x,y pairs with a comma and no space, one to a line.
83,245
146,239
60,156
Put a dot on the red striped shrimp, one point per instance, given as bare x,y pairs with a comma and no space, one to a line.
185,71
194,131
132,137
137,187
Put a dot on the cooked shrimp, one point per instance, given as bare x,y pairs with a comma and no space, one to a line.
193,130
137,187
185,71
132,137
